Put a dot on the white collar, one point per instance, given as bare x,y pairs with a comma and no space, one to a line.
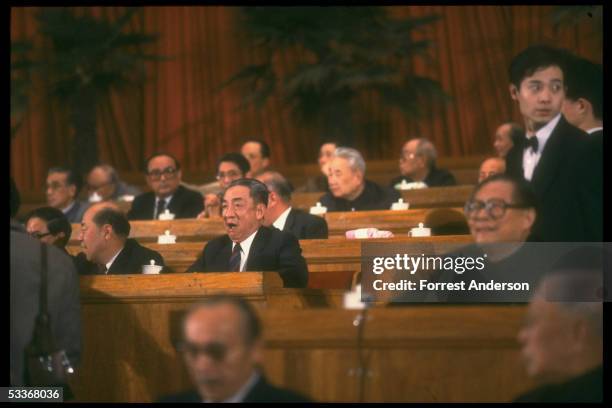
109,263
166,199
595,129
543,134
282,219
240,395
65,210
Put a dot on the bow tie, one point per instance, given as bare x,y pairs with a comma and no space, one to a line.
531,142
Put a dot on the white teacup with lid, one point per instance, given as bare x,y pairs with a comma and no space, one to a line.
167,238
166,215
400,205
420,231
318,209
151,269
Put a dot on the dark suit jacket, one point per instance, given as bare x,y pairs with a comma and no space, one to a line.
75,214
565,205
585,388
373,197
262,391
185,203
435,178
305,226
271,250
129,261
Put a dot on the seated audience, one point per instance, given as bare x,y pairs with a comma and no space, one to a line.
348,188
248,245
103,184
257,152
222,348
319,182
418,163
562,338
281,215
50,226
63,187
230,167
106,246
491,167
164,178
506,136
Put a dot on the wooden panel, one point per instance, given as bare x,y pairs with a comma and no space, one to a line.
412,353
399,222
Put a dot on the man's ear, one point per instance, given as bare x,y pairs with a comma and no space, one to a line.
513,92
584,106
266,162
72,190
260,211
530,216
107,229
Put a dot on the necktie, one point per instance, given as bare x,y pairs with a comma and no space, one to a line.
161,206
531,142
234,261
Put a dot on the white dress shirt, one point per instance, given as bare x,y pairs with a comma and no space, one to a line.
282,219
531,159
167,200
593,130
245,247
109,263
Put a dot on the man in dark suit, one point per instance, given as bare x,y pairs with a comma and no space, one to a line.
164,179
223,350
583,108
257,152
63,187
552,155
248,245
348,188
562,338
279,213
418,163
106,246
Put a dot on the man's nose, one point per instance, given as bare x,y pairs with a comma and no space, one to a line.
545,95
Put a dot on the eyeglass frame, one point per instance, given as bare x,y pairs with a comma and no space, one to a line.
489,205
221,176
39,235
169,172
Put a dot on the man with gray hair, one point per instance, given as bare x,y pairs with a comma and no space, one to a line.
418,163
562,339
281,215
103,184
348,188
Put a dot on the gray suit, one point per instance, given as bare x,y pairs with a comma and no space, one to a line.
63,299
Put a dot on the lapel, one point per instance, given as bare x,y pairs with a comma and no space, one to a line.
551,158
119,266
175,203
225,252
256,247
291,218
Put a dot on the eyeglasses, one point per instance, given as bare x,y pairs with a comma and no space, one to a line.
39,235
229,174
215,351
495,208
55,185
168,172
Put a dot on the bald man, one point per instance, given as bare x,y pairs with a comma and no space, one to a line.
491,167
106,246
223,351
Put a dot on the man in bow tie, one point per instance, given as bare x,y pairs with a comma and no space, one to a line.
551,156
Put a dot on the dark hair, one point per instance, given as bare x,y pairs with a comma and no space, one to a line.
72,178
15,198
115,218
56,223
257,190
263,146
154,155
279,184
250,320
236,158
584,79
534,58
522,192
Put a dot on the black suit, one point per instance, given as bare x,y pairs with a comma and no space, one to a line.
373,197
305,226
129,261
185,203
271,250
558,180
587,387
262,391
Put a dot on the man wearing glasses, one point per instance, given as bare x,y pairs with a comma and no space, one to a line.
163,175
62,189
222,348
418,163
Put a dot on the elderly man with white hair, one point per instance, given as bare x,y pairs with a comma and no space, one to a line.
418,164
348,188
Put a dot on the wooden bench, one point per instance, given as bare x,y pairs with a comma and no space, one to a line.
415,353
331,263
442,221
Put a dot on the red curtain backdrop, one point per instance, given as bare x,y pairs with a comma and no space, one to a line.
181,108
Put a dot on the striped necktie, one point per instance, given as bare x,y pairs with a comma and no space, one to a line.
234,261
